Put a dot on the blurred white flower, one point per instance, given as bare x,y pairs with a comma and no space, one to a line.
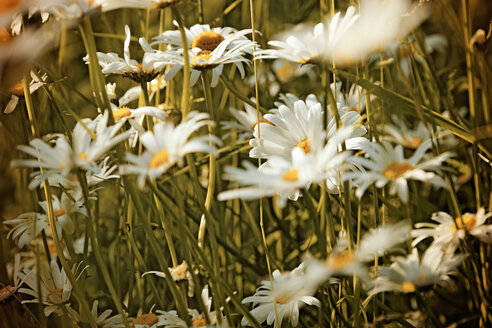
17,91
179,273
105,320
409,273
408,138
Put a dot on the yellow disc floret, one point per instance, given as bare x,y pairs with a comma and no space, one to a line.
207,40
407,287
305,145
395,170
160,158
291,175
469,221
145,319
121,112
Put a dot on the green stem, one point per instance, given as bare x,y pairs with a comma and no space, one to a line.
185,99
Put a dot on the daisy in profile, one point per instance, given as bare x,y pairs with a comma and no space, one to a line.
209,48
17,91
179,273
55,288
299,123
28,225
167,145
408,138
285,177
409,273
306,44
448,231
171,319
245,124
153,63
387,165
9,290
287,292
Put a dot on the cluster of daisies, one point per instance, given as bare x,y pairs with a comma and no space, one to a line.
301,144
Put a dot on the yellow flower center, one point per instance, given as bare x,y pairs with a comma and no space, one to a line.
291,175
199,322
55,295
17,89
207,40
179,270
468,219
6,5
414,142
305,145
340,260
82,155
161,158
59,212
145,319
262,120
6,292
395,170
203,55
281,300
408,287
121,112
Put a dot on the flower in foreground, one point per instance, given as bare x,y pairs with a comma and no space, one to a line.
167,145
387,165
209,48
286,292
449,231
409,273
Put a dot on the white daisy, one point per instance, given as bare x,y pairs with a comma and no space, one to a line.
387,165
55,288
409,138
306,43
209,48
449,231
409,273
153,63
7,291
286,177
147,320
299,124
380,23
167,145
29,225
246,122
287,292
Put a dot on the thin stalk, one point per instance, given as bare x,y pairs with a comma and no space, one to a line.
185,99
95,248
51,217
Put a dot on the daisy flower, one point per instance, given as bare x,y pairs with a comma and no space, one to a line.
286,177
408,138
29,225
171,319
387,165
287,292
448,231
304,44
380,23
246,122
299,124
407,274
7,291
178,273
167,145
153,63
209,48
104,320
17,91
55,288
376,242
